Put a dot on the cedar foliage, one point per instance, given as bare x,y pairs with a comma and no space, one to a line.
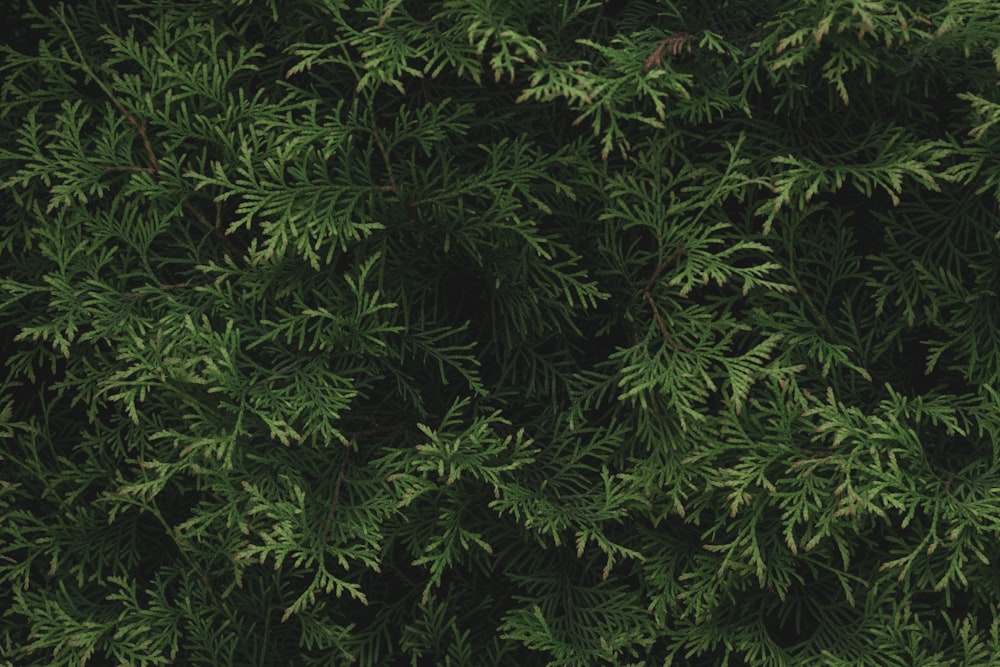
493,332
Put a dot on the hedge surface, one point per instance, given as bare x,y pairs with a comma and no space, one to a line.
496,332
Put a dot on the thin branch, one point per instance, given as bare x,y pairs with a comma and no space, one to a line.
663,325
425,91
335,501
376,430
677,252
218,215
647,292
708,10
597,22
149,146
393,187
216,231
267,631
342,472
132,168
166,287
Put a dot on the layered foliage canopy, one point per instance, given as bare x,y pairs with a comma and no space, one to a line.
492,332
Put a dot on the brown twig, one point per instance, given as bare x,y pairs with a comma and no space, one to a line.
387,161
131,167
141,126
597,22
647,292
331,512
218,215
713,23
149,146
376,430
216,230
663,325
335,501
675,253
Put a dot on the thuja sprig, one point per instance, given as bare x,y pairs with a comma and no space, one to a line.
154,169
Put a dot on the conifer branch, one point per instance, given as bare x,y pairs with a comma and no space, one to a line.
141,126
216,229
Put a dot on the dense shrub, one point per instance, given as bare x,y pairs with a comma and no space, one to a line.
500,332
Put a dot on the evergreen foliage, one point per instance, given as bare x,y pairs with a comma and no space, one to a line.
496,332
